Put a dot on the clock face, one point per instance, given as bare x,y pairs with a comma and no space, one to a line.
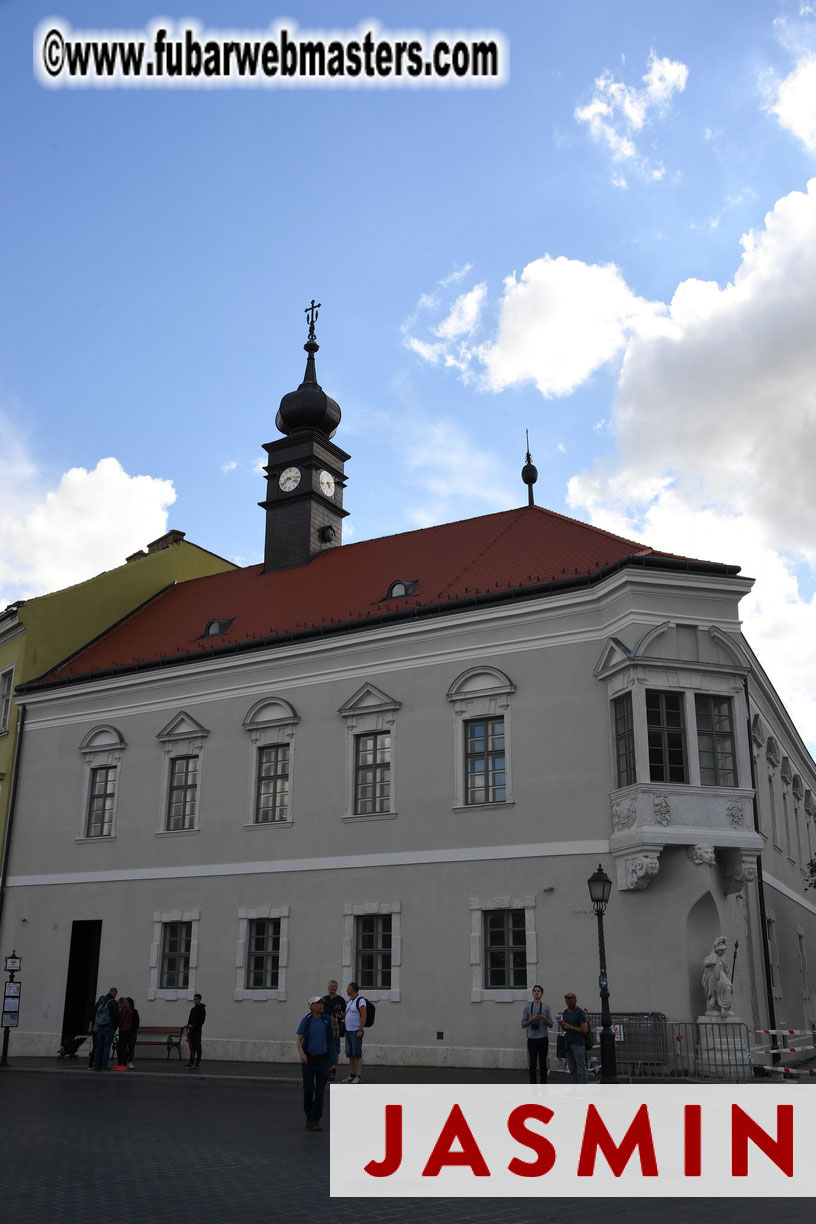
289,479
327,484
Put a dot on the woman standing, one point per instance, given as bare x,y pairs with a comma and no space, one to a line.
537,1020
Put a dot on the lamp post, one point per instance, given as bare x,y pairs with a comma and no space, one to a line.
600,887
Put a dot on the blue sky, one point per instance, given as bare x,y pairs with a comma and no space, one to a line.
615,249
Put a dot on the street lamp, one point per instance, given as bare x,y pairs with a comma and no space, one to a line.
600,886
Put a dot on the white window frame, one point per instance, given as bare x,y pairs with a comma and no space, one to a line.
349,957
366,711
183,736
773,952
160,920
6,696
270,722
801,948
480,692
478,907
102,747
245,916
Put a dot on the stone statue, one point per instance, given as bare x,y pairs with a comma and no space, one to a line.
716,982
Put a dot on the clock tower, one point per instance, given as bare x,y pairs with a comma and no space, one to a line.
305,473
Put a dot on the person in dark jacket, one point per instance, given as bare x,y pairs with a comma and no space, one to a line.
195,1023
134,1031
125,1026
106,1018
315,1043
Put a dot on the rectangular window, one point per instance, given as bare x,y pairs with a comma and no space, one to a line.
773,958
373,945
624,740
505,950
175,959
772,806
273,784
485,768
181,801
666,737
715,740
100,801
372,773
786,822
802,949
263,954
6,689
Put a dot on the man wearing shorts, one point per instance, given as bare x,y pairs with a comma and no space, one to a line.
355,1024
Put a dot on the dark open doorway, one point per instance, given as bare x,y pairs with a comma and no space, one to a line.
83,966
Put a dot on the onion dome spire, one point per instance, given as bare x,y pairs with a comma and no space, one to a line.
529,473
309,407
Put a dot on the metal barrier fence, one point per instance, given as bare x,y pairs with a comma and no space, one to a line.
649,1046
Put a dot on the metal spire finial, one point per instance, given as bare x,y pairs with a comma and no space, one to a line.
529,473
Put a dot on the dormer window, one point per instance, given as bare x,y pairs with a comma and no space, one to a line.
400,588
216,627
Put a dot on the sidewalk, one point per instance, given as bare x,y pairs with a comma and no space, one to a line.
280,1073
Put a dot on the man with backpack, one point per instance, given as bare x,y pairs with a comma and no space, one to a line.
314,1042
106,1018
356,1019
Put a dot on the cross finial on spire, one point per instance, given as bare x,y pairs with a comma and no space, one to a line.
311,311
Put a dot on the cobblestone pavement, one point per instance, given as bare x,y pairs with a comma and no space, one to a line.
215,1148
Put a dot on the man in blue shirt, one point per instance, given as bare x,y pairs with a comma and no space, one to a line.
314,1042
574,1026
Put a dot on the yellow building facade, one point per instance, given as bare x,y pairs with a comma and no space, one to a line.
36,634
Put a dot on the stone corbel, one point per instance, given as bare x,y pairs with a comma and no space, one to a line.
738,869
635,871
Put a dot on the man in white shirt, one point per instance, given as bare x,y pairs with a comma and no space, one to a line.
355,1024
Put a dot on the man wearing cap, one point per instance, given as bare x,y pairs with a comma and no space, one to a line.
314,1042
574,1025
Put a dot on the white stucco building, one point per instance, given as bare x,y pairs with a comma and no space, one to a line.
398,761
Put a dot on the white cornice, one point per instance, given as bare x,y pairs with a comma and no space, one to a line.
14,629
349,655
465,854
788,892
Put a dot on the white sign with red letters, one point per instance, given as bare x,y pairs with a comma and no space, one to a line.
495,1140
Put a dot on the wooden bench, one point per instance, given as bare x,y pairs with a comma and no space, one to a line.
169,1037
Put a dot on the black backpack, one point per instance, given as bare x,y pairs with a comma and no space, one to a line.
371,1011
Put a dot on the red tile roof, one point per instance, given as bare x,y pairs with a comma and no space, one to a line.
495,556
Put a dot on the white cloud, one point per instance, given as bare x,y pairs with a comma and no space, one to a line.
229,465
89,523
433,353
456,275
794,102
559,322
464,315
451,477
715,420
618,112
713,424
431,301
